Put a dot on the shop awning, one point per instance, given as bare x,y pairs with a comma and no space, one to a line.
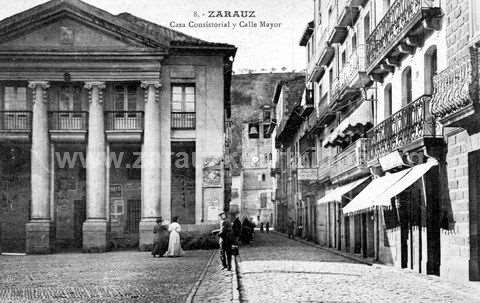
381,190
411,177
368,197
337,193
357,122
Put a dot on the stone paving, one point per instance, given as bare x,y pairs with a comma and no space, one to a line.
110,277
218,285
276,269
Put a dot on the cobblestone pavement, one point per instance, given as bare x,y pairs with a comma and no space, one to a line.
218,285
276,269
110,277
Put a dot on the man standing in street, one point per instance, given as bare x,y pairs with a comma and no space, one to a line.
226,239
291,229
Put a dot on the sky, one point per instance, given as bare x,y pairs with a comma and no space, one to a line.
258,47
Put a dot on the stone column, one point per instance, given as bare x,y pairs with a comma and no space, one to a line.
39,231
151,159
95,228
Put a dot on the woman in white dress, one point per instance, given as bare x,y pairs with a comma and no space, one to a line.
174,246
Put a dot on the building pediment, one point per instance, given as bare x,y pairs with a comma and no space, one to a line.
68,34
74,25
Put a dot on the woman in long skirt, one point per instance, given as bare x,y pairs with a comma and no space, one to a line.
160,239
174,247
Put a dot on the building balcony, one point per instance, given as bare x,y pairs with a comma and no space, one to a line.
402,29
351,162
183,120
348,13
324,166
68,126
455,98
321,59
406,130
124,126
15,125
351,78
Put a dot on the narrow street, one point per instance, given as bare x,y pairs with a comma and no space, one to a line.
276,269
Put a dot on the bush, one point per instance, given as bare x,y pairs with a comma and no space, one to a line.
198,240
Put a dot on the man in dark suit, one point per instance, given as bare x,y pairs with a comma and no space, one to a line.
226,239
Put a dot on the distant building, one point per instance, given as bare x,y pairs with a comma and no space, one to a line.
256,200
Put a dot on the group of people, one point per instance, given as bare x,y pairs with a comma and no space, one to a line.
166,241
267,227
247,230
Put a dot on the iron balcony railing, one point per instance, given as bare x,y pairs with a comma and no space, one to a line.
398,20
183,120
16,120
354,65
124,120
410,124
324,166
68,120
353,157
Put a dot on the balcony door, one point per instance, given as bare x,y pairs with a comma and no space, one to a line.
183,106
15,114
125,106
69,115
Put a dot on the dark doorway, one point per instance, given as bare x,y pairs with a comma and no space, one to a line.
183,181
474,214
134,208
79,216
364,236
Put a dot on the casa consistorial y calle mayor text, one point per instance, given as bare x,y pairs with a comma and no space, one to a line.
230,24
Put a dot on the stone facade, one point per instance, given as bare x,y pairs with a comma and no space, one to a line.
100,125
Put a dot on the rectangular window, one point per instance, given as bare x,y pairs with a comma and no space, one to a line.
263,200
124,100
183,98
15,98
266,133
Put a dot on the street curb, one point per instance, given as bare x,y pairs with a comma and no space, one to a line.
196,286
239,290
236,282
333,251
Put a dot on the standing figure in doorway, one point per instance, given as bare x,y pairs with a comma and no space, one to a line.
174,246
160,239
267,227
261,227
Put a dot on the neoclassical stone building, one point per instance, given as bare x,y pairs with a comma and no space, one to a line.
107,122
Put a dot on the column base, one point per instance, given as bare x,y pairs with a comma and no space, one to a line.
474,269
40,237
145,236
95,236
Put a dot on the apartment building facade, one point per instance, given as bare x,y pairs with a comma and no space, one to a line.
108,122
395,90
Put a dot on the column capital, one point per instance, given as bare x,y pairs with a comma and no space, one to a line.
98,84
35,84
148,83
